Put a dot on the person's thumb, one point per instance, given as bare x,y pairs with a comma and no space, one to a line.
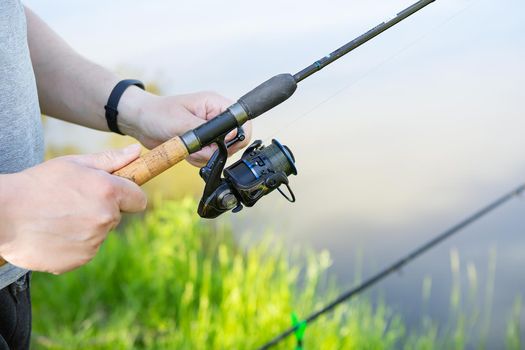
111,160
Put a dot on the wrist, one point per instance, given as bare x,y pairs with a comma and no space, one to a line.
131,110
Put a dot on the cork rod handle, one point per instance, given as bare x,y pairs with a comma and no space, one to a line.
155,161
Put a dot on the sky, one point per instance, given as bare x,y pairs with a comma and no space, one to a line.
410,132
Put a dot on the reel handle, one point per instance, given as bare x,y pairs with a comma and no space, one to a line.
156,161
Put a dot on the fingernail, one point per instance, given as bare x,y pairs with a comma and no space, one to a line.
132,149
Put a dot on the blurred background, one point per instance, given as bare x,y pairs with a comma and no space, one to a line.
394,143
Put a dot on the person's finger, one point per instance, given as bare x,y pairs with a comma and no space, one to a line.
200,158
189,121
130,197
203,156
111,160
216,104
231,135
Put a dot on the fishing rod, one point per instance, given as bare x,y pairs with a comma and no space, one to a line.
396,266
261,169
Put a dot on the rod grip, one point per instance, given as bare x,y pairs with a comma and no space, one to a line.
269,94
2,262
156,161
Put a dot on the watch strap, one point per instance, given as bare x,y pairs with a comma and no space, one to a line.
113,100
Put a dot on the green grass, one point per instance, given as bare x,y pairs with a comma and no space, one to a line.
172,281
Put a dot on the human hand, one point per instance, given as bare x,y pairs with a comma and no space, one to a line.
157,119
55,216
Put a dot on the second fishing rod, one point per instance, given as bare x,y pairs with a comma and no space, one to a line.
261,169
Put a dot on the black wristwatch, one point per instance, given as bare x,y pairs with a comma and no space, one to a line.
113,100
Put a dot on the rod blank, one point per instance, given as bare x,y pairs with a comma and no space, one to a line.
354,44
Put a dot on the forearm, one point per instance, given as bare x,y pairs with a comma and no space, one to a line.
72,88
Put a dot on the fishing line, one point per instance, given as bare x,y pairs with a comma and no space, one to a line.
374,69
396,266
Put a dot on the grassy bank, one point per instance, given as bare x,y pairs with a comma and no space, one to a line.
170,281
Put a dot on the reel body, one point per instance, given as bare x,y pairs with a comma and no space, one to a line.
260,171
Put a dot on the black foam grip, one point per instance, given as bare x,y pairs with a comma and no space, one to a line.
268,95
220,125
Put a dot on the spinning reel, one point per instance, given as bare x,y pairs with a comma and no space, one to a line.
260,170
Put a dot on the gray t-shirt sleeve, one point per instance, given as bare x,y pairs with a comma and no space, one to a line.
21,135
